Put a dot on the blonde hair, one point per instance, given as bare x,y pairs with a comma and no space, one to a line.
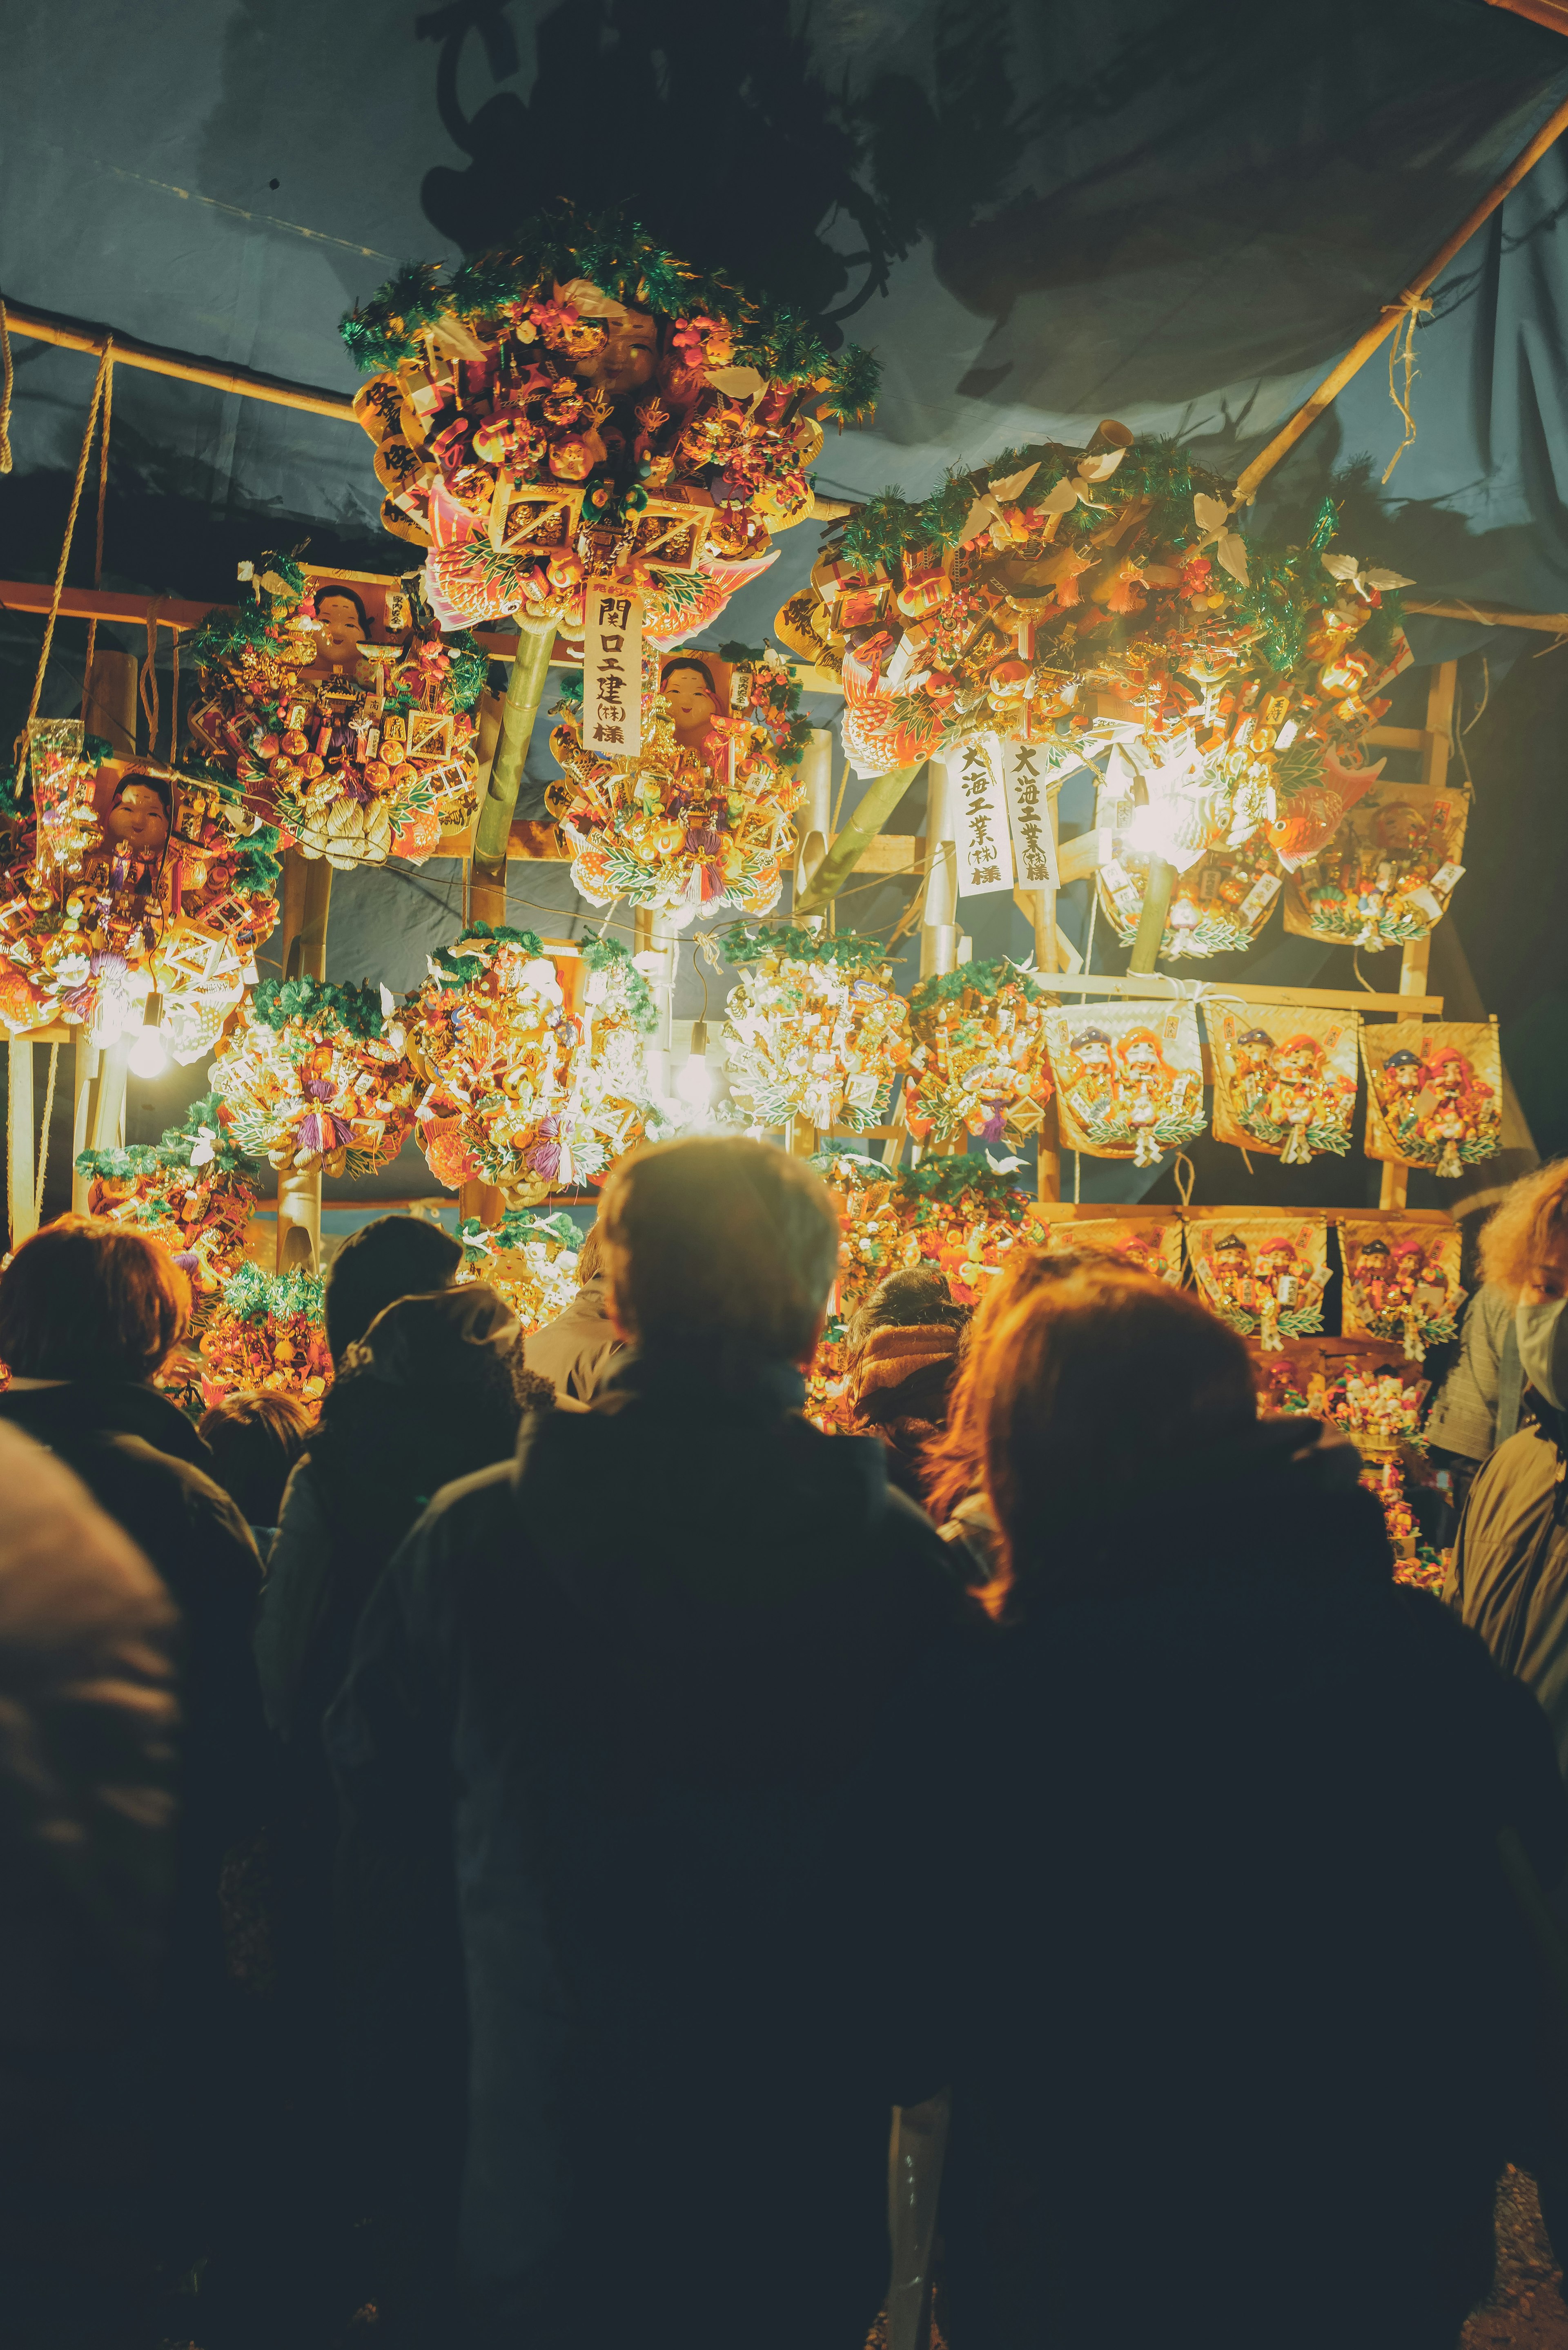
719,1247
1530,1227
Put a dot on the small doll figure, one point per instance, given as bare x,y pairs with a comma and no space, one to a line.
1458,1112
1254,1060
1404,1075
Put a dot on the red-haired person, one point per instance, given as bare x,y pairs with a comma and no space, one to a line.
87,1313
1202,1942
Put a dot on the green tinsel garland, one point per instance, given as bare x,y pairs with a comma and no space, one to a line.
987,979
611,251
319,1004
515,1228
609,956
456,969
468,666
254,1295
175,1150
741,946
948,1181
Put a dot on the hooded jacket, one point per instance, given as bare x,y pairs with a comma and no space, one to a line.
900,1382
1508,1576
579,1348
629,1683
1234,1900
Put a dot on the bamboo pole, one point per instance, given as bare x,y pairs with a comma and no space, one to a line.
1151,920
877,804
308,898
76,335
525,692
939,930
1394,1188
1361,350
21,1171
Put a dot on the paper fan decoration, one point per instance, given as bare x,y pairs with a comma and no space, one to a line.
268,1334
700,818
530,1261
1435,1091
584,405
814,1028
978,1064
1387,875
1285,1079
502,1068
1401,1282
1263,1275
358,752
618,1017
308,1079
1082,599
192,1194
1129,1079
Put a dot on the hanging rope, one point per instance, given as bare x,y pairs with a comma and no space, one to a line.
97,403
149,679
44,1137
9,374
174,698
1412,308
98,544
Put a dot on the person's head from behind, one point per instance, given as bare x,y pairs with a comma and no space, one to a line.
86,1299
254,1441
955,1460
1099,1388
916,1297
718,1250
395,1256
1524,1247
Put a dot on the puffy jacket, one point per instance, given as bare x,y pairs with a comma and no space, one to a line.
579,1348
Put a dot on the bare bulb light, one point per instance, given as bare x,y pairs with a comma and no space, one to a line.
149,1054
695,1083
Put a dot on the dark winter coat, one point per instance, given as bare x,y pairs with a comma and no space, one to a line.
1509,1579
631,1682
86,1747
1243,2016
141,1460
577,1351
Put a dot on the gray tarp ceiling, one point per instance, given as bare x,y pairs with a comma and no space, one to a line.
1037,214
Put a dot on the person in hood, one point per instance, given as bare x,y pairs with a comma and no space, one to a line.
254,1441
580,1348
389,1258
902,1351
1509,1575
88,1310
86,1694
1239,1845
627,1686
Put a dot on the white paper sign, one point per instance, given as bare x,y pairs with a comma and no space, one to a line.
612,674
980,817
1026,768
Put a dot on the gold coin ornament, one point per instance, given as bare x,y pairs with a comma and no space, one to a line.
530,1261
814,1028
1081,600
699,818
1263,1275
1388,875
1401,1282
1435,1093
308,1079
978,1064
1284,1078
1129,1079
191,1194
586,406
268,1336
357,749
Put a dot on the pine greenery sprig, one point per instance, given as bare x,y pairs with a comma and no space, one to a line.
254,1295
741,946
319,1004
987,979
516,1228
452,968
950,1180
611,251
609,956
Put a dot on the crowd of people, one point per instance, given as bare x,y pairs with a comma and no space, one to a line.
489,1867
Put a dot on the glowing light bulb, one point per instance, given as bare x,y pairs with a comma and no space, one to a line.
149,1054
695,1083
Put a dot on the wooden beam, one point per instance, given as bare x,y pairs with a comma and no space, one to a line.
76,335
1490,616
101,604
1070,1212
1146,989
